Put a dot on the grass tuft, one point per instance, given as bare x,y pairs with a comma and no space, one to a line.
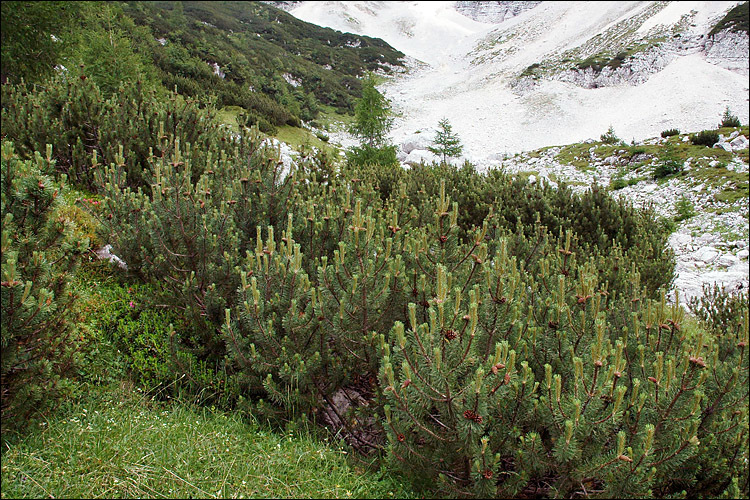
124,445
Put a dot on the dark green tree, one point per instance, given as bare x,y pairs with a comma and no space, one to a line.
729,120
447,143
372,115
372,122
35,36
112,50
39,255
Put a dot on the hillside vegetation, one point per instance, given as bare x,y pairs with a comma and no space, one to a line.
480,334
185,312
279,69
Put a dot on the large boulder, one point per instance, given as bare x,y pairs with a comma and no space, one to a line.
739,142
418,156
416,141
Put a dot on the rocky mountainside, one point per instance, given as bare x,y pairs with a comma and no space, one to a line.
494,12
632,49
707,201
517,82
547,76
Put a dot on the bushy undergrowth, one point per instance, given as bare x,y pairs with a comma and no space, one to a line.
669,164
610,137
489,337
729,120
705,138
88,131
40,336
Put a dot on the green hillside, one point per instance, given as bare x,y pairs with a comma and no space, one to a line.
279,69
186,312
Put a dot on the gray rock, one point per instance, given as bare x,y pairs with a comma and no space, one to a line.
105,252
739,142
681,240
727,260
416,141
493,12
418,156
705,254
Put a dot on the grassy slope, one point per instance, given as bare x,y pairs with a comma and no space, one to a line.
121,444
255,44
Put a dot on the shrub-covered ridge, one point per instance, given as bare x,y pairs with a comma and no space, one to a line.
489,336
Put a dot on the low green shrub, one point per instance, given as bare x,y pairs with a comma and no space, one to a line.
722,312
670,132
705,138
729,120
141,332
488,336
130,127
369,155
618,183
669,164
41,341
685,209
481,402
610,137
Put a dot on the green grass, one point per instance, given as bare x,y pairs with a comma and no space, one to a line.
228,116
577,155
300,139
121,444
735,20
734,184
294,136
329,117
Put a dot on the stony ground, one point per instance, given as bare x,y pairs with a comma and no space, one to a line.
711,240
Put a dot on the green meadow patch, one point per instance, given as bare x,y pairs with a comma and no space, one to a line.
122,444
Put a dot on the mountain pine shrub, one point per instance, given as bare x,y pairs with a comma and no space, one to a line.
720,310
187,233
512,389
598,220
729,120
73,116
705,138
40,251
610,137
670,132
491,337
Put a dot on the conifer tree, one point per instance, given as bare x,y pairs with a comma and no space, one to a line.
372,122
39,255
35,37
372,115
448,145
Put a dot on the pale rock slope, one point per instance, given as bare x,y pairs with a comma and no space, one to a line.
470,62
468,71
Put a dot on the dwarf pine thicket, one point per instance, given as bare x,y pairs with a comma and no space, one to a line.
486,336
